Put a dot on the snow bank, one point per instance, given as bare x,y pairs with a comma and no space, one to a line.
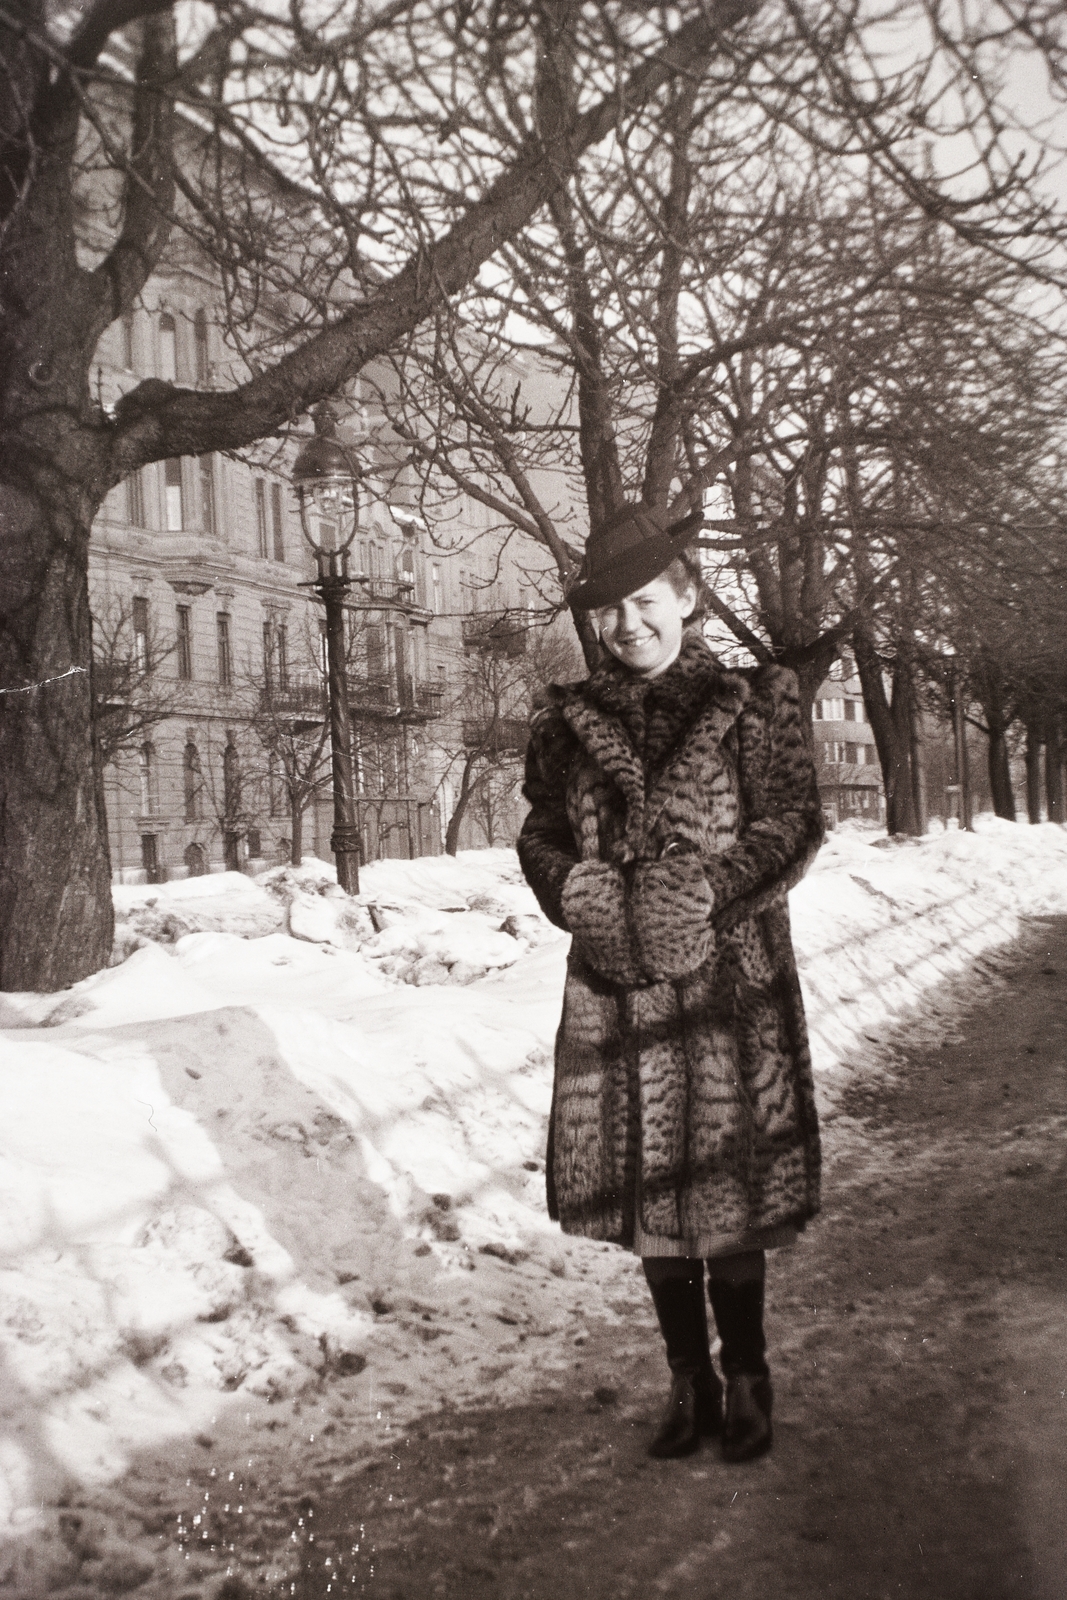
245,1160
878,922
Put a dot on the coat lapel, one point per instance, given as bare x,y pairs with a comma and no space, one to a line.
727,694
604,738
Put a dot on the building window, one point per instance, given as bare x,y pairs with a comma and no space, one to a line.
854,711
140,633
231,794
135,500
184,638
150,857
834,752
231,784
191,782
255,843
274,788
277,523
146,772
200,345
207,495
168,348
406,566
222,630
172,490
376,659
435,587
261,517
195,860
276,654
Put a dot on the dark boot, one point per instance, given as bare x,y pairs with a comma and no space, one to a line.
747,1431
694,1406
738,1309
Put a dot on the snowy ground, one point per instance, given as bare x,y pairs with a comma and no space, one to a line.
289,1138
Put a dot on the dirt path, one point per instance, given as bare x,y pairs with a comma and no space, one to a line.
919,1357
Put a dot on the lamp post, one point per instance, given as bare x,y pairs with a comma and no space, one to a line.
326,480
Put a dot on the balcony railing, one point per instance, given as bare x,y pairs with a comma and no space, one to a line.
299,701
303,701
496,735
113,683
390,594
496,633
385,698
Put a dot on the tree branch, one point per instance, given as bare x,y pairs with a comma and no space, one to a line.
149,184
155,420
101,21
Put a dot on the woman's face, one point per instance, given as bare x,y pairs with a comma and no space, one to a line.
644,631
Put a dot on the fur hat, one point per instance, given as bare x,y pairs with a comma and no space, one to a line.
630,548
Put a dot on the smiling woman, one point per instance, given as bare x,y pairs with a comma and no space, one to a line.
673,804
644,630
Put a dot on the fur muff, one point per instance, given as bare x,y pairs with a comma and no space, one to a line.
688,1091
670,909
594,905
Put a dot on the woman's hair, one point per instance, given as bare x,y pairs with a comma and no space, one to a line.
685,571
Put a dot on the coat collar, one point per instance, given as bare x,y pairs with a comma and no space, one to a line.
591,711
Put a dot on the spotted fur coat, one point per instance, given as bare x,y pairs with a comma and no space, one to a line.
667,822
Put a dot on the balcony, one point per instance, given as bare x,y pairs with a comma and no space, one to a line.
496,735
390,594
384,700
299,703
497,633
114,682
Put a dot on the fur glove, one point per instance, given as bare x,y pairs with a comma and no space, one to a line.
671,903
594,909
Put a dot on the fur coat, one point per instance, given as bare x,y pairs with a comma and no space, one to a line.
668,818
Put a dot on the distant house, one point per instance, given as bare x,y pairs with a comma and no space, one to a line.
846,758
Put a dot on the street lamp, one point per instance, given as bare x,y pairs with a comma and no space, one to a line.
326,480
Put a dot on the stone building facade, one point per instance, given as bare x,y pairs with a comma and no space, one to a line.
210,652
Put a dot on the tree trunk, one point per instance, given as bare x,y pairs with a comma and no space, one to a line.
1054,771
891,724
56,919
811,670
587,638
998,719
1034,741
1000,772
466,795
918,777
296,830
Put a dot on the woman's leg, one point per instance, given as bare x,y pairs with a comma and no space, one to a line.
694,1407
735,1289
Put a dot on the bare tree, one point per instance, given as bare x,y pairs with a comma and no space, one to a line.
130,695
803,342
484,735
341,178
